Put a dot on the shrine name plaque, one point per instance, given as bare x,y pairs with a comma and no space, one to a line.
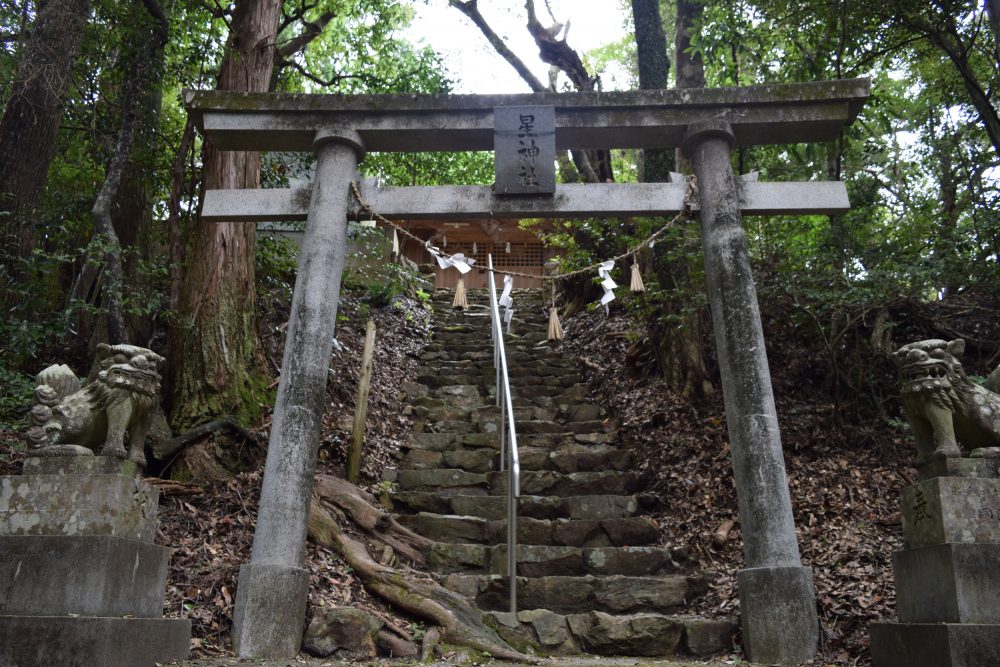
524,146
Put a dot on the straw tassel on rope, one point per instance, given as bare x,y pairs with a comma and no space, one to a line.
636,284
460,299
555,328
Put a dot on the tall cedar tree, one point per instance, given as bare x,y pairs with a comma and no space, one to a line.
31,118
679,349
215,345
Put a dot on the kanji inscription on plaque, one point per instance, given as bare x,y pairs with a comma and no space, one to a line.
524,145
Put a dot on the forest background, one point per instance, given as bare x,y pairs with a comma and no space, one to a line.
102,174
101,180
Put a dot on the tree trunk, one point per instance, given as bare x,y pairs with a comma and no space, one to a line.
215,345
30,122
144,74
132,215
679,349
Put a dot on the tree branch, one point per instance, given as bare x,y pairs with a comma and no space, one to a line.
471,9
312,31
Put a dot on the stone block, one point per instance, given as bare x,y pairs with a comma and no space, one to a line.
779,614
948,583
960,467
637,634
934,645
951,509
78,504
48,575
88,641
79,465
270,610
708,636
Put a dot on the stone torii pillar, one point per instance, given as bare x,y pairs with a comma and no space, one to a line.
273,587
777,600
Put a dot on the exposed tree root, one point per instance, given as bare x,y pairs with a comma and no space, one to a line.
461,622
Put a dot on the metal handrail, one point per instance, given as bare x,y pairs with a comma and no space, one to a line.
507,434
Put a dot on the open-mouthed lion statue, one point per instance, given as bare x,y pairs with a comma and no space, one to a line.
68,420
947,411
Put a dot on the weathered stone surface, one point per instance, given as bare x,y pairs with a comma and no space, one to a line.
538,560
83,641
631,531
59,504
482,460
631,560
601,507
960,467
48,575
447,558
446,528
708,636
779,615
466,396
422,459
934,645
79,465
551,629
619,594
949,509
579,532
556,593
346,631
581,458
440,478
414,390
948,583
270,610
491,440
583,412
437,442
638,634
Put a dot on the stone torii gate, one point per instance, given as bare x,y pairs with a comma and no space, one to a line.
776,592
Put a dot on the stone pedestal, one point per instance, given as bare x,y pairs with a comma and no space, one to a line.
947,582
81,582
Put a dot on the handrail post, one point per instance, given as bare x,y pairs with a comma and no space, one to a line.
507,434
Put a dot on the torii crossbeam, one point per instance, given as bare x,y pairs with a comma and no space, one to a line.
776,591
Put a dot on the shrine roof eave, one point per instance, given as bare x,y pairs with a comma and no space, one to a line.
767,114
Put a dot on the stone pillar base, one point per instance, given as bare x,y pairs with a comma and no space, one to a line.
935,645
778,606
948,583
92,641
270,610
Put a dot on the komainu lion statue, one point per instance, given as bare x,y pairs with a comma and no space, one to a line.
947,411
70,420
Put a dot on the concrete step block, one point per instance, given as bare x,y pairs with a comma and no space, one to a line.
78,504
89,641
98,575
948,583
935,645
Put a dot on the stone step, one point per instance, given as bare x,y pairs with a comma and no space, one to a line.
621,532
535,507
614,594
544,561
599,633
532,482
569,458
448,434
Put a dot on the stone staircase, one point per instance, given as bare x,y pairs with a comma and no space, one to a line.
590,578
